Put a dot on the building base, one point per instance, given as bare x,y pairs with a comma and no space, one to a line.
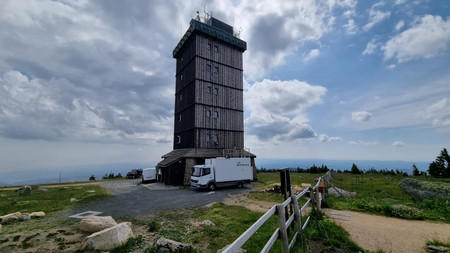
176,166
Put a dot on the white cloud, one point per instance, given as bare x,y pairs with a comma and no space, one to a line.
427,38
361,116
376,16
363,143
398,2
350,27
371,47
398,144
314,53
438,113
326,138
277,109
399,25
391,66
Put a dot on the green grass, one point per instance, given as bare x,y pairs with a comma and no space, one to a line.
381,194
438,243
52,200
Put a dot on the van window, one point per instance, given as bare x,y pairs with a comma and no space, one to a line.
206,171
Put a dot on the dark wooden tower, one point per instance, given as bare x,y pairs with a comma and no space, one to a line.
209,111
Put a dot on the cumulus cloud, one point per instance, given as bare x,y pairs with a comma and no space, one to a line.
361,116
376,16
437,113
314,53
398,144
391,66
57,109
350,27
277,109
399,25
427,38
326,138
371,47
363,143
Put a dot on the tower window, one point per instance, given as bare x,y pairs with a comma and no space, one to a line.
208,137
208,46
181,77
216,138
208,113
216,114
179,117
216,69
178,139
216,91
208,89
180,97
208,67
216,49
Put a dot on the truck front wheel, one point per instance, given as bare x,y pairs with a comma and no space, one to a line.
240,184
212,187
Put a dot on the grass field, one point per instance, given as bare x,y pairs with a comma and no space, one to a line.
381,194
49,200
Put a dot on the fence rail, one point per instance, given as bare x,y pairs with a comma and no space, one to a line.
315,199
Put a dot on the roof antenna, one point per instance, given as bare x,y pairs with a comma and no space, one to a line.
198,17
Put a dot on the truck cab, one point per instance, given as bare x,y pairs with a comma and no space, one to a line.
203,177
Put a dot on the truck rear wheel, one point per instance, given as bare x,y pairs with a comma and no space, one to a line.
212,187
240,184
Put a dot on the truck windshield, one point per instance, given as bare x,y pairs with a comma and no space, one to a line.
197,172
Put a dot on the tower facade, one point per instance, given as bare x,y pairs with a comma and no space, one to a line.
209,110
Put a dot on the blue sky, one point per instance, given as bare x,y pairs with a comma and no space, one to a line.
92,82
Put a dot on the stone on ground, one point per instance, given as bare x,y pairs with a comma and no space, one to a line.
109,238
94,224
10,217
24,217
334,191
0,227
436,249
26,190
167,245
37,214
207,223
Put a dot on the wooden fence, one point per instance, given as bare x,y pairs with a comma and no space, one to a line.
315,199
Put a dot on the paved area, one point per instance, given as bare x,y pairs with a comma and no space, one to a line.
132,198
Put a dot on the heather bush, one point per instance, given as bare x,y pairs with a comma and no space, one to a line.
421,190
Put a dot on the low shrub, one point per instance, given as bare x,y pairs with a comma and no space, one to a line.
406,212
421,190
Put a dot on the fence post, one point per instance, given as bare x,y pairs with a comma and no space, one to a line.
317,198
283,231
297,215
311,197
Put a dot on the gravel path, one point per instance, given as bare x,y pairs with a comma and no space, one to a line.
132,198
375,232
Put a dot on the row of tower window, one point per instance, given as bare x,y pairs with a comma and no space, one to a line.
208,138
208,90
216,48
215,114
208,68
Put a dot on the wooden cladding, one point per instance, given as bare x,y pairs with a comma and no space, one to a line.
225,139
208,95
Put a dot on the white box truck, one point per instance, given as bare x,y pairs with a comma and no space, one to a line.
218,172
148,175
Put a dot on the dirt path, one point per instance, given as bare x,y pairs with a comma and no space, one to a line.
375,232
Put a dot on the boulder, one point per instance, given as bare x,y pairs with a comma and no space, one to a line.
37,214
207,223
41,188
334,191
167,245
10,217
109,238
24,217
0,227
94,224
237,251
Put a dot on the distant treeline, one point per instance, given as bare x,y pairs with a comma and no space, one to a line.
353,170
107,176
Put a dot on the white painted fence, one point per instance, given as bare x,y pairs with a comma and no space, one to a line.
315,199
